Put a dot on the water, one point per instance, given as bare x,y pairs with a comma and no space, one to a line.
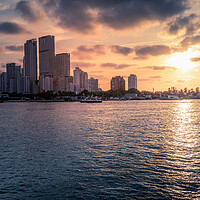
113,150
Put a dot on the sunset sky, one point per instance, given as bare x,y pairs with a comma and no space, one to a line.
158,40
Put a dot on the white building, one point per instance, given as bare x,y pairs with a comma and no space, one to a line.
46,83
132,81
80,80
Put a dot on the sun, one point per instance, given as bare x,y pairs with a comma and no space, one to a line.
182,60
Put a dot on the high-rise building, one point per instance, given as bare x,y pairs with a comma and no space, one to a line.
10,69
80,80
13,77
62,65
3,82
93,85
46,61
30,65
117,83
46,55
132,81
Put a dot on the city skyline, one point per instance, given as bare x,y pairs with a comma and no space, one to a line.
53,73
160,44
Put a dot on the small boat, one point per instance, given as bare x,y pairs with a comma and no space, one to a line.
91,100
1,101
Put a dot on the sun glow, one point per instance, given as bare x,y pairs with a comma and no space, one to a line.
182,60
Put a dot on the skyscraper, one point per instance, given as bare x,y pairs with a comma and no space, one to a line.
117,83
30,64
13,77
62,64
3,82
10,69
132,81
80,80
46,55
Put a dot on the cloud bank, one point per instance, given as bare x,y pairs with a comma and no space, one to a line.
84,16
29,11
11,28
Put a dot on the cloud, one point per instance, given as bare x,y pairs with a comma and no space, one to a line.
83,64
155,50
150,78
121,50
14,48
186,43
75,15
88,51
158,67
195,59
97,72
98,76
156,77
115,66
180,81
182,25
11,28
99,49
84,16
29,10
189,41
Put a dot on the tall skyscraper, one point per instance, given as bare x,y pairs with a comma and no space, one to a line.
62,64
46,55
132,81
117,83
30,64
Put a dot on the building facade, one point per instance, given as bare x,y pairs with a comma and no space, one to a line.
117,83
132,81
46,55
30,65
93,85
62,65
14,75
46,61
80,80
3,82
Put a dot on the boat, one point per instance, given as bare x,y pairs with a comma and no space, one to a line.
91,100
1,101
168,97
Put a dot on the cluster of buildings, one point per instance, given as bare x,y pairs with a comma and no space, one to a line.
118,82
54,71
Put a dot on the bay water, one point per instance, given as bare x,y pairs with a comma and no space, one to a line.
112,150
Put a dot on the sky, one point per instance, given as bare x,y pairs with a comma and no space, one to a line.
157,40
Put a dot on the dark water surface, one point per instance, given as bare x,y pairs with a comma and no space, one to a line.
113,150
